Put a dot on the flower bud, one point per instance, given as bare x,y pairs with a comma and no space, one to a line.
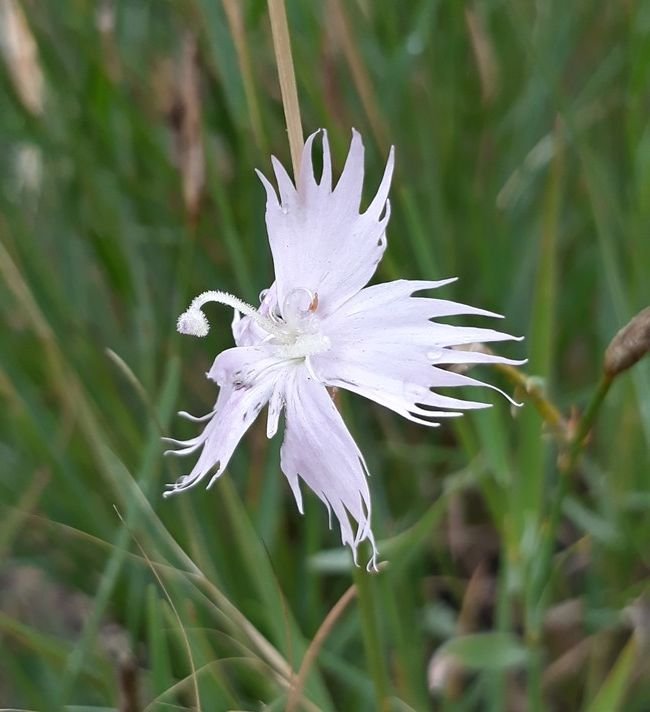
629,345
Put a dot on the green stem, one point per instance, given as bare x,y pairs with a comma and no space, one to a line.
569,459
584,426
366,584
566,464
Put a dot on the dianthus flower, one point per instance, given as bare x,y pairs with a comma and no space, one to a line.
319,326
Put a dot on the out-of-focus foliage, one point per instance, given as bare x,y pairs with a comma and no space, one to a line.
129,132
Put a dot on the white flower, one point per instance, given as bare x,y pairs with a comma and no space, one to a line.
320,327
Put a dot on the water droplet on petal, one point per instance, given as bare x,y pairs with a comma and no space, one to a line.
284,210
297,306
263,294
434,354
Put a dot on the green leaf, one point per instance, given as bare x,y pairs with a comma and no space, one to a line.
611,695
486,651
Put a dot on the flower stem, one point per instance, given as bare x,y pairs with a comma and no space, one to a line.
366,585
571,447
287,77
311,654
578,440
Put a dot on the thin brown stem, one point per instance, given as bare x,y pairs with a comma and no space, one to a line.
316,644
287,77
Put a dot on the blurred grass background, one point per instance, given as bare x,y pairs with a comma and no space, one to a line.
129,132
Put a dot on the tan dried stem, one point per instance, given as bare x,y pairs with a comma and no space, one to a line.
533,392
287,77
316,644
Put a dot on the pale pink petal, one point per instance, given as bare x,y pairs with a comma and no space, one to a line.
378,296
319,239
347,193
401,385
288,194
319,450
243,366
247,377
244,330
276,403
326,177
386,348
308,192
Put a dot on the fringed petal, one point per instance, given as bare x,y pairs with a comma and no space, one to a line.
319,239
247,377
386,347
319,450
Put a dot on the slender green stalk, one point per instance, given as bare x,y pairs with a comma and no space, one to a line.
567,461
367,594
529,490
287,77
566,464
578,440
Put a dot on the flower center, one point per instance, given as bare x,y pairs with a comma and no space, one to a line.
295,330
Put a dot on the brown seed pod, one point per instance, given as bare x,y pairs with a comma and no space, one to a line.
629,345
